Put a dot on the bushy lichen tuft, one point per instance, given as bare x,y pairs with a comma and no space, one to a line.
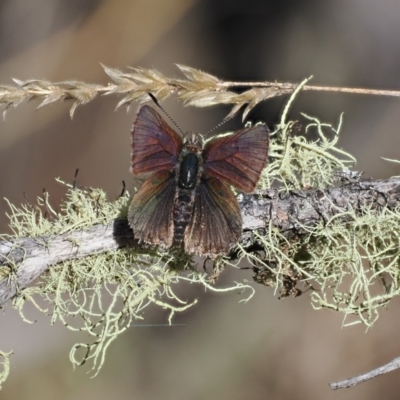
350,267
356,265
296,162
81,209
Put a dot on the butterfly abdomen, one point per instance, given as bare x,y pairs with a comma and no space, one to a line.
183,210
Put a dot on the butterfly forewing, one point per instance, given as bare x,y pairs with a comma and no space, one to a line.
216,222
156,146
237,159
151,211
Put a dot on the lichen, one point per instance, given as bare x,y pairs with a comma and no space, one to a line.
4,365
81,209
356,264
297,162
350,267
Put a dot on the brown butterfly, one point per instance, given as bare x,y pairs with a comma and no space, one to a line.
186,198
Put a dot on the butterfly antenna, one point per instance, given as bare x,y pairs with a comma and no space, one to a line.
167,115
224,121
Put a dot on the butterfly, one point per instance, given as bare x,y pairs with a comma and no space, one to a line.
186,200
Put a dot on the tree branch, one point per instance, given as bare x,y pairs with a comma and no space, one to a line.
290,213
394,364
31,257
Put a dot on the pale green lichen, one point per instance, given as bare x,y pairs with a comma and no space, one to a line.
81,209
351,267
4,366
296,162
357,264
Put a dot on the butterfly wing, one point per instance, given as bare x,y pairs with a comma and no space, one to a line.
237,159
156,146
151,211
216,222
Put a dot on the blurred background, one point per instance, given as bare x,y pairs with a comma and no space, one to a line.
267,348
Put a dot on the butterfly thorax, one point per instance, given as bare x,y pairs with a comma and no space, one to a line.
190,162
188,174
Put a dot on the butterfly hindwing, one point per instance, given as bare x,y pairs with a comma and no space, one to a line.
216,222
237,159
151,211
156,146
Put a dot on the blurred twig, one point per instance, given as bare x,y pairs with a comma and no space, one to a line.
391,366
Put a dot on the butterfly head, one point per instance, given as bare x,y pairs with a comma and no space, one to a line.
193,142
